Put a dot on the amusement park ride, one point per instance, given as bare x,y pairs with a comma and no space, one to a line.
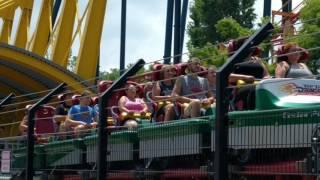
270,141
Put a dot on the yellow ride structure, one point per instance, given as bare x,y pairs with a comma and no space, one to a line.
37,62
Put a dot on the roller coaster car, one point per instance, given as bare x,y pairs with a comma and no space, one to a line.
287,116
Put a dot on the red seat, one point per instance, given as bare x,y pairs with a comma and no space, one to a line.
44,123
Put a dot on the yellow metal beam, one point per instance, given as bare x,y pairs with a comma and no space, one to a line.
41,67
23,29
6,31
21,79
21,38
90,42
42,32
62,42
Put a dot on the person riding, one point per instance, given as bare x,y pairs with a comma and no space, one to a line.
293,64
162,91
62,110
193,90
82,117
131,104
253,67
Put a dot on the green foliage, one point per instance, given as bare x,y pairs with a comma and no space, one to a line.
113,74
228,28
206,13
210,55
311,10
72,63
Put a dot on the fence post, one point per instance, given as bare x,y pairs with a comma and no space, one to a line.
221,123
6,100
102,143
30,137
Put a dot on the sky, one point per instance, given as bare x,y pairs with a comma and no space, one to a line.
146,21
145,32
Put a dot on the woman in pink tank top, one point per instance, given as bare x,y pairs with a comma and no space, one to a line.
132,104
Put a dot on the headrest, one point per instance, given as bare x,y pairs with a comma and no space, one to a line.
234,45
285,49
156,74
95,100
76,99
104,85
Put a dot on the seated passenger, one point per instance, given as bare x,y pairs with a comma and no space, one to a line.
82,116
162,91
23,126
62,110
193,90
211,76
252,66
131,104
292,65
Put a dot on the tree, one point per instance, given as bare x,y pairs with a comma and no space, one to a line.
113,74
228,28
310,11
211,55
72,63
206,13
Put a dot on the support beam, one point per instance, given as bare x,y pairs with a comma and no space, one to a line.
42,33
286,5
7,17
102,143
222,104
21,38
168,38
90,41
123,36
62,42
183,23
31,124
6,31
55,11
177,31
267,8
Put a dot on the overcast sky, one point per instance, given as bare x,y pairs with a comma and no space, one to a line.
145,29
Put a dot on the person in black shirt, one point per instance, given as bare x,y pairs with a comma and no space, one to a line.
62,111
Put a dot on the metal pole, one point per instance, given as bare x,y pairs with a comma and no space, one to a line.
168,38
183,22
267,8
102,143
6,100
221,123
177,31
287,5
123,35
30,137
55,11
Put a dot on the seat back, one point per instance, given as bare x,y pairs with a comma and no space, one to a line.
44,123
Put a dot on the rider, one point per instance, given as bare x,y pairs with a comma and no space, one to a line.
193,90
